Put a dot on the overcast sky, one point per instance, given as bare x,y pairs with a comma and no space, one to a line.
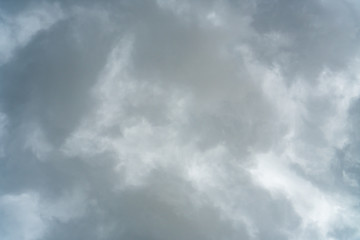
179,120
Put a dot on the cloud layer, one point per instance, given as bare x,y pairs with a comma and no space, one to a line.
179,120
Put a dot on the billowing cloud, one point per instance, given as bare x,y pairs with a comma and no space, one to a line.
179,120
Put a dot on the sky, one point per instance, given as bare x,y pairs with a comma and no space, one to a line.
174,120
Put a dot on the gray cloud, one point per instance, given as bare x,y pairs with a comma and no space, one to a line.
321,35
179,120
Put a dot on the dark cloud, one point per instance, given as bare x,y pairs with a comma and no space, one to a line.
322,35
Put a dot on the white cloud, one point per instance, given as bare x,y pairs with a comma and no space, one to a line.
17,31
37,143
27,216
320,211
21,219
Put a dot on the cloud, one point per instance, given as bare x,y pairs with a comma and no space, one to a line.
318,34
25,215
179,120
17,31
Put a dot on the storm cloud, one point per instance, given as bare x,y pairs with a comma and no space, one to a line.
179,120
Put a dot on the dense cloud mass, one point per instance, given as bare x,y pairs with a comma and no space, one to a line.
169,119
